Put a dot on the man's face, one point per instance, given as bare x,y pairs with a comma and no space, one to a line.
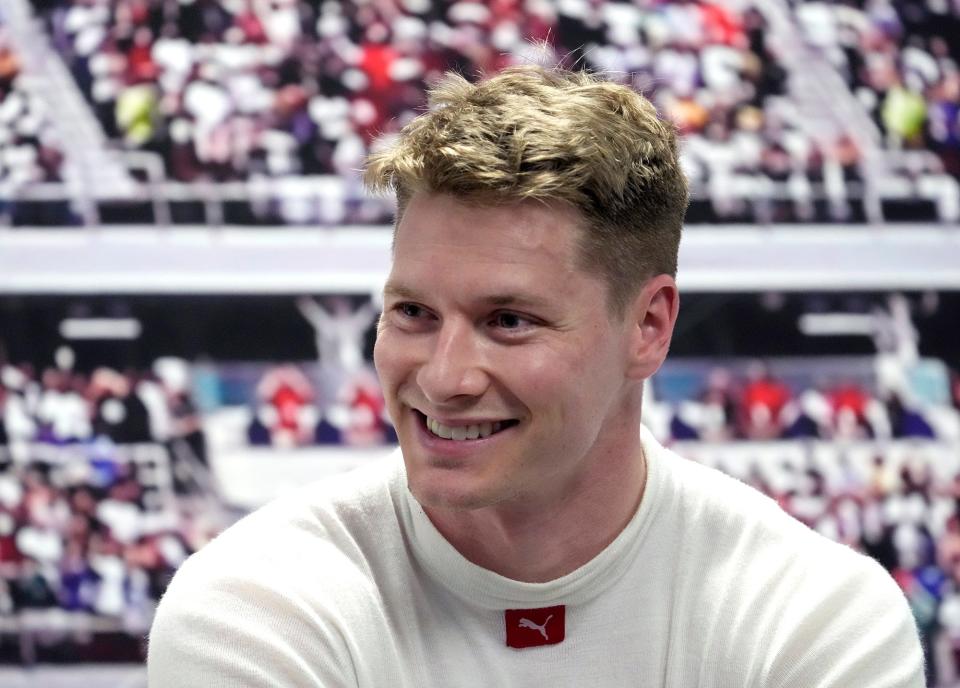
501,366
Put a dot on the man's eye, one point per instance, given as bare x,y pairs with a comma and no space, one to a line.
510,321
410,310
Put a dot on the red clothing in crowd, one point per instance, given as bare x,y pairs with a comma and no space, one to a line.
722,26
849,397
288,402
766,392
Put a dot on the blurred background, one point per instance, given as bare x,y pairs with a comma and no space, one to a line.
190,274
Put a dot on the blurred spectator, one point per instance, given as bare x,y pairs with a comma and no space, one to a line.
907,422
119,413
762,401
808,416
29,151
849,403
339,329
286,397
366,411
62,411
185,428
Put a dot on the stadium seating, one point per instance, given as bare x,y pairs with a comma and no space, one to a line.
90,535
899,62
251,98
103,493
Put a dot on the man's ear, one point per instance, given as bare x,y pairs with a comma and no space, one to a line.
651,318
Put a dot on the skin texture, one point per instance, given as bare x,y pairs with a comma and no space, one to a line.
488,317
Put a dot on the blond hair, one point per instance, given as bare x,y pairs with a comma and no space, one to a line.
551,134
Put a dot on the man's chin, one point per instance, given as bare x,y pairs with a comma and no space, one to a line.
449,494
454,482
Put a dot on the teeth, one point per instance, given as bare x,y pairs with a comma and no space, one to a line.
443,431
462,432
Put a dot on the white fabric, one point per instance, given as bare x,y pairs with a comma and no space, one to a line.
710,584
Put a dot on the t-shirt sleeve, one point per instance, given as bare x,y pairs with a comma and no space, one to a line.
848,625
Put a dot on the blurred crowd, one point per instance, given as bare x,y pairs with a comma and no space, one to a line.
89,532
276,91
29,151
901,60
90,524
245,89
289,411
63,406
761,406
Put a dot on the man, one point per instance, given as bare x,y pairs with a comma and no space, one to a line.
529,532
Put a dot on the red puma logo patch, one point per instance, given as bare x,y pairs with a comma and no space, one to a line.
534,627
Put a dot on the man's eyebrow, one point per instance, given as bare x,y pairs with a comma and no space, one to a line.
401,291
514,300
501,299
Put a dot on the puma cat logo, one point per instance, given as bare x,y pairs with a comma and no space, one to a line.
527,623
550,624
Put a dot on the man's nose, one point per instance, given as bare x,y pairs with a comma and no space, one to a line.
454,367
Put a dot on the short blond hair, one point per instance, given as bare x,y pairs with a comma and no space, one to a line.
541,133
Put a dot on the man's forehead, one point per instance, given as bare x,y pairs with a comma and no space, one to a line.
522,253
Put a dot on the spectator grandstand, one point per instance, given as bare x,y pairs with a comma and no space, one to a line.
91,537
899,62
103,493
66,407
252,112
838,399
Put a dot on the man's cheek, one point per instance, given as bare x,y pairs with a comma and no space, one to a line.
387,357
546,375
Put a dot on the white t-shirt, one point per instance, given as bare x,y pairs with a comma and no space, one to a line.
710,584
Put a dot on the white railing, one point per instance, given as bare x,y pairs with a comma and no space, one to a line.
334,202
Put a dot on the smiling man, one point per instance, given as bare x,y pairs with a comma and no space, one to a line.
529,532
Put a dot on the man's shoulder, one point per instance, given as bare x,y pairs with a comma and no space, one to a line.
788,602
836,618
717,501
323,532
747,535
308,565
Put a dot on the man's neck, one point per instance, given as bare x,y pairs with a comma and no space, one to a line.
541,542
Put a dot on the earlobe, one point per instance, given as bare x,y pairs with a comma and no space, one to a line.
653,318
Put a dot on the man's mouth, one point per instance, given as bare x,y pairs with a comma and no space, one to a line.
464,431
